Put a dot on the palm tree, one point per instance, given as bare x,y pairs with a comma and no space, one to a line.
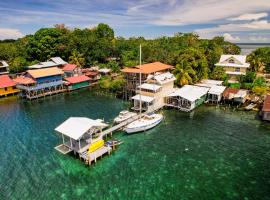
256,63
77,58
184,74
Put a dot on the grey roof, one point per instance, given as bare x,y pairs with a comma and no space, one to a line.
3,63
58,60
52,62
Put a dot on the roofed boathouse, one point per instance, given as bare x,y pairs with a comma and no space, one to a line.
83,136
187,98
215,90
40,82
7,86
77,82
266,109
132,76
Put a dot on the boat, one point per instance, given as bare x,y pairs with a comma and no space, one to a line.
144,123
113,142
123,116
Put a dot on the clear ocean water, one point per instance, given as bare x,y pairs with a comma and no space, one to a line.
211,153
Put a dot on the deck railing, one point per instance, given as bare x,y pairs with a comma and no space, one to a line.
40,85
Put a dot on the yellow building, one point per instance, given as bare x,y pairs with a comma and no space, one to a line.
234,65
7,86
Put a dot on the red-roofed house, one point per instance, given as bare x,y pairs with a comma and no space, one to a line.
77,82
7,86
71,70
266,109
132,75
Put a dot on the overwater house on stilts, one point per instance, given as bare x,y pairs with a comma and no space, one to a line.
7,86
235,95
187,98
132,76
215,92
83,136
77,82
153,92
4,67
40,82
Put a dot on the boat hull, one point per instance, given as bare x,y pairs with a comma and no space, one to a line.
142,128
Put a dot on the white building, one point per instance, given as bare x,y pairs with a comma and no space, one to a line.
234,65
78,133
4,67
215,90
152,94
187,98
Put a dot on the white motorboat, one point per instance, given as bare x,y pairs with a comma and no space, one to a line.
123,116
144,123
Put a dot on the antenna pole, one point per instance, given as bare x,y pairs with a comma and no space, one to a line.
140,79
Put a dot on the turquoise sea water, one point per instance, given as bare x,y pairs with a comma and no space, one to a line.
211,153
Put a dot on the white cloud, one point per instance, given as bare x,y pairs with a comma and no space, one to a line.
258,39
208,11
229,28
230,38
8,33
250,16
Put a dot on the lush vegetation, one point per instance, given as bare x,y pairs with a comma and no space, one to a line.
194,58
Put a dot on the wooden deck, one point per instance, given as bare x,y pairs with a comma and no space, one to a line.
90,157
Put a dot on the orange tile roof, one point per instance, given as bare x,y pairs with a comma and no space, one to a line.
24,80
77,79
37,73
5,81
266,104
147,68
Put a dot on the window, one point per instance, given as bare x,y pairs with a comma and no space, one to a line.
237,69
231,61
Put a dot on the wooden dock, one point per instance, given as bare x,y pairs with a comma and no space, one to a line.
119,126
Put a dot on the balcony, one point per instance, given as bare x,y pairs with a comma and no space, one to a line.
40,86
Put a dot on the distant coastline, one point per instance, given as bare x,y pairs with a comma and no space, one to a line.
247,48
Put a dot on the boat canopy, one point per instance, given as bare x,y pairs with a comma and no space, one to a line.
76,127
143,98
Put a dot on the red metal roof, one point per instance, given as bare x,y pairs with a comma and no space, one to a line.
5,81
266,104
69,67
77,79
91,73
229,91
24,80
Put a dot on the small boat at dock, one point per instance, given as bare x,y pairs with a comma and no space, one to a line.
144,123
113,142
123,116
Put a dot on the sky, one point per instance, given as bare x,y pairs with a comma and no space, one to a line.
239,21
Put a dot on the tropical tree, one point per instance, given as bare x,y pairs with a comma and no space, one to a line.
184,74
77,59
218,74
